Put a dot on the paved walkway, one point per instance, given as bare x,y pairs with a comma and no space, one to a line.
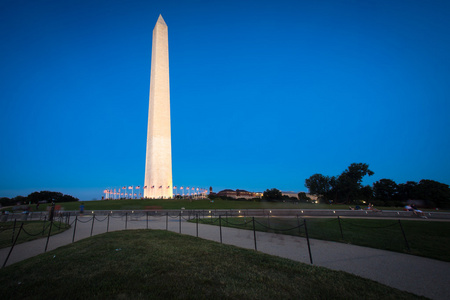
421,276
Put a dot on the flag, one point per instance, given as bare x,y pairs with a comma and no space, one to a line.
181,188
124,188
130,187
105,191
168,186
197,189
145,187
192,188
153,186
187,187
175,187
138,187
160,186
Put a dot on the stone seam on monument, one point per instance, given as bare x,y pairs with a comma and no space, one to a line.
158,166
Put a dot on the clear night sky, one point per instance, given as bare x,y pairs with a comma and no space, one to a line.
263,93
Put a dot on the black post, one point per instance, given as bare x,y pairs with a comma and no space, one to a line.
43,227
52,212
254,233
167,221
13,231
147,219
307,240
180,221
74,228
107,224
92,227
404,236
197,224
12,247
48,236
340,227
126,220
220,228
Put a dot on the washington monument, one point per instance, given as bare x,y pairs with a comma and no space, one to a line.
158,164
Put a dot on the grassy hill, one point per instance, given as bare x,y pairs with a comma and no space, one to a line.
153,264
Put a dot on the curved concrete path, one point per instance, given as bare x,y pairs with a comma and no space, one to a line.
418,275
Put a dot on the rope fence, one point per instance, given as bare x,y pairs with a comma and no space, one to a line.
295,226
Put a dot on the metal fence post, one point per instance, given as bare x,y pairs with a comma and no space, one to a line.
220,228
12,247
107,224
180,221
147,219
197,224
307,240
254,233
43,226
404,236
48,236
74,228
92,227
126,220
340,227
13,231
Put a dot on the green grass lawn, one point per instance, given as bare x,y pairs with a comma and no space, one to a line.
425,238
154,264
187,204
31,230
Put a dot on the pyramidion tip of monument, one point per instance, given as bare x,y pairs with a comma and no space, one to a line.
161,20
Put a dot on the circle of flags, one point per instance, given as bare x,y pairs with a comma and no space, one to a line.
135,193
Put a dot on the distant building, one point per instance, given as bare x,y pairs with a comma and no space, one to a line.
290,194
295,195
238,194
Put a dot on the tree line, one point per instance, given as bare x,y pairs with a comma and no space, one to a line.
347,188
36,197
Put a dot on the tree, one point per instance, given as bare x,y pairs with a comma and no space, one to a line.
407,191
48,196
434,193
302,197
349,183
4,201
385,190
318,184
272,195
366,193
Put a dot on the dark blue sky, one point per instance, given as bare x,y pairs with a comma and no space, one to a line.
263,93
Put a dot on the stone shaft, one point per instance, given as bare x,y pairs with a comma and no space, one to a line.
158,165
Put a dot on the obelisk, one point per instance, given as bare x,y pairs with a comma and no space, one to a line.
158,164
